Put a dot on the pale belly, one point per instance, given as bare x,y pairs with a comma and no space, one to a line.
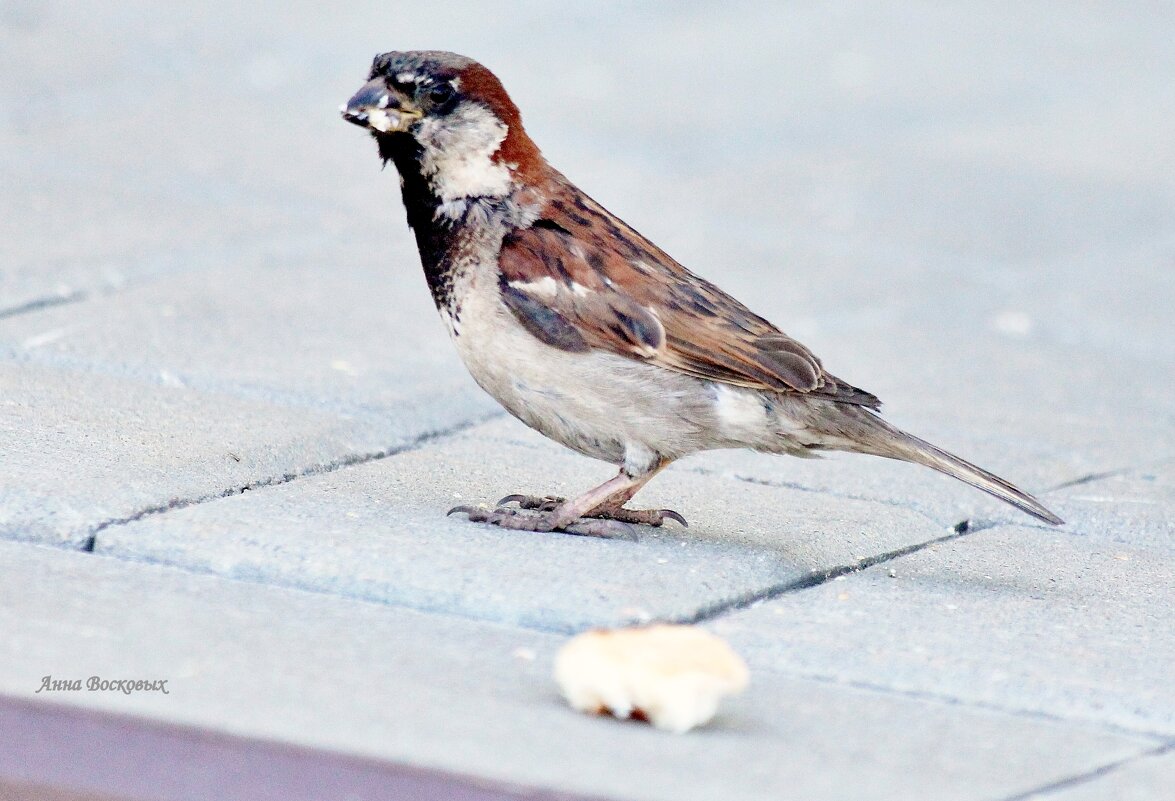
609,407
604,406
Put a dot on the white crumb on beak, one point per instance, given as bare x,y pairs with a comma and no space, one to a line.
672,675
383,101
383,120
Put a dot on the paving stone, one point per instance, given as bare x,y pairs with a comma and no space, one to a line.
378,531
81,450
1085,428
1050,622
1147,778
865,188
286,362
1131,506
297,329
440,692
950,205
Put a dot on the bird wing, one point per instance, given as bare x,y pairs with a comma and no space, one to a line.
580,279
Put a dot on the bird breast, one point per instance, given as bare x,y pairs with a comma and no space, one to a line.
605,406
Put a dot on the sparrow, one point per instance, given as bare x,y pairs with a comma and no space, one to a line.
585,330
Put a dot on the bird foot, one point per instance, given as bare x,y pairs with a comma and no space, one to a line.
547,520
646,517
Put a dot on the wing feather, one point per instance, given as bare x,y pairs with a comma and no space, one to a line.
580,279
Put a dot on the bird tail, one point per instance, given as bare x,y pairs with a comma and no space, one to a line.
908,448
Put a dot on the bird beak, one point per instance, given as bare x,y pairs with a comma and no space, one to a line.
380,108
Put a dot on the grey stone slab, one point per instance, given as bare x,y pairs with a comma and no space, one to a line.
1048,622
1135,507
82,450
378,531
999,332
1038,414
1147,778
1045,460
328,329
288,360
148,181
900,164
439,692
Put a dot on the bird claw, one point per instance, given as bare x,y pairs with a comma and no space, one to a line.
542,504
645,517
521,521
550,503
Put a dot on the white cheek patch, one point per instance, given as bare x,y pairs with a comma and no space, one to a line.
458,154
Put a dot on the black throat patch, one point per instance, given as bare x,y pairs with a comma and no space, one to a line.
440,239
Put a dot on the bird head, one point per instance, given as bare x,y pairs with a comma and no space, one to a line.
448,119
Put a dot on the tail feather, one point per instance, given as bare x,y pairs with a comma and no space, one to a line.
908,448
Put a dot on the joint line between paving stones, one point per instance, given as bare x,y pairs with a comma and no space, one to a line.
766,482
1083,778
815,579
285,478
262,241
43,303
973,703
1091,478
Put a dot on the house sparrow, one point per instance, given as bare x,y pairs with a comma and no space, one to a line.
585,330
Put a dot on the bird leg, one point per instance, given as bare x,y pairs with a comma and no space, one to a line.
612,509
599,512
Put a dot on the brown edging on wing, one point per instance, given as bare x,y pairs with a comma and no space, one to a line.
579,278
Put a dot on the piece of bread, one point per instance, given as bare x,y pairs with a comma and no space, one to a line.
672,676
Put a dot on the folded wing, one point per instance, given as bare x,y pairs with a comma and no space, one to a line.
578,279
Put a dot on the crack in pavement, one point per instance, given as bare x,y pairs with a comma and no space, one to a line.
767,482
1090,478
1083,778
974,703
568,631
322,468
142,268
37,304
716,610
962,525
968,525
237,388
811,579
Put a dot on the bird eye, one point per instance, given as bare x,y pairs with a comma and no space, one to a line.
440,94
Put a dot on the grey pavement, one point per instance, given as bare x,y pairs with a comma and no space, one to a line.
231,422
